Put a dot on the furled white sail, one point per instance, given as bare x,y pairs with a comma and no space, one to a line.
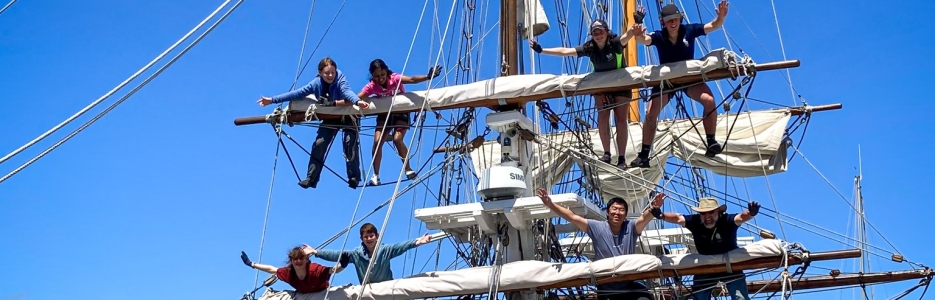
531,12
515,276
756,146
527,85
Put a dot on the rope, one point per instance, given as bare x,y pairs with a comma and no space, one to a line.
112,106
308,25
269,200
392,199
122,84
411,140
783,49
7,6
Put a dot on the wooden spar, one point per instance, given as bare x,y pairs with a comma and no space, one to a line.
806,283
632,57
817,282
758,263
299,116
795,111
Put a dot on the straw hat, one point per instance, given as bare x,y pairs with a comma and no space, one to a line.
708,204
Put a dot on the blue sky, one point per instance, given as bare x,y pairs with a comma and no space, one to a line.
160,196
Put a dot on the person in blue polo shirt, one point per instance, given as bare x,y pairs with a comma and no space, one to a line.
714,232
605,51
675,43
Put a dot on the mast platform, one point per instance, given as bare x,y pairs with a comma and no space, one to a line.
457,220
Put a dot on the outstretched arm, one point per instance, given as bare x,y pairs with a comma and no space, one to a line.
673,218
638,30
557,51
753,208
433,72
261,267
349,97
719,19
565,213
647,214
400,248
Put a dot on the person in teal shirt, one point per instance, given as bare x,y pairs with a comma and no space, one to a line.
361,255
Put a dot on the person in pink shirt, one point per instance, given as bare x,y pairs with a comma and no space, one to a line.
386,83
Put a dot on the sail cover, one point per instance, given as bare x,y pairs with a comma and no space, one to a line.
515,275
754,145
526,85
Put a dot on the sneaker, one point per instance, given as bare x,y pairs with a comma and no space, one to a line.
606,158
713,149
374,180
411,174
353,182
640,162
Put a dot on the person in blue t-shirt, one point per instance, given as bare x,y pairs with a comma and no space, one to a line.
605,51
615,237
714,232
331,89
675,43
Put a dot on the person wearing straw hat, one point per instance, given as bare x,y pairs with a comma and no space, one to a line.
714,232
614,237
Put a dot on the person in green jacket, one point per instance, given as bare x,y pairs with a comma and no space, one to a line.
361,255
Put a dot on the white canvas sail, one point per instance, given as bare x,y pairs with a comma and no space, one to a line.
756,146
515,276
527,85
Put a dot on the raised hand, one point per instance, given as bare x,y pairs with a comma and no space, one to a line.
544,196
535,46
423,239
246,260
753,207
657,212
639,14
264,101
657,200
722,9
434,71
308,250
344,260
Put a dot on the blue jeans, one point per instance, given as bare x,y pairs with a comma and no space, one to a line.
736,285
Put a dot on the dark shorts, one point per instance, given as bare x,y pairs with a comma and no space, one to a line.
609,100
631,290
396,120
671,89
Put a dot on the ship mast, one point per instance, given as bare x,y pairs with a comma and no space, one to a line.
632,56
861,224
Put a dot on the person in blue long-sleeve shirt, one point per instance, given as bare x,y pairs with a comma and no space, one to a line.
331,89
361,255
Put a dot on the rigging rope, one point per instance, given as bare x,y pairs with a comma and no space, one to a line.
122,84
783,49
389,210
125,97
269,200
308,25
5,7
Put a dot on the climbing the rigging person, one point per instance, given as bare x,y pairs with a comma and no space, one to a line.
303,275
714,232
330,88
616,237
386,83
361,255
605,51
675,43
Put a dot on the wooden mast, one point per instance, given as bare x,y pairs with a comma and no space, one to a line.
632,57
